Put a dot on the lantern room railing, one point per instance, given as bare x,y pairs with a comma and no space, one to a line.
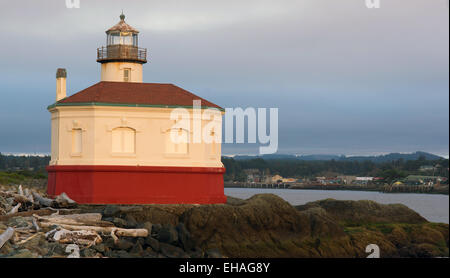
120,52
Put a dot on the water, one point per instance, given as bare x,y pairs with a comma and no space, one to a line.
433,207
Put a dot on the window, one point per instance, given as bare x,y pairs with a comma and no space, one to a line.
126,75
177,141
77,141
123,140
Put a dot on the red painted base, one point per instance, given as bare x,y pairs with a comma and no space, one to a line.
137,184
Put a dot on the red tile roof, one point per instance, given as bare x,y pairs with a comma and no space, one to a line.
130,93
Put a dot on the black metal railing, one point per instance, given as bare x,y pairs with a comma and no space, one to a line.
121,52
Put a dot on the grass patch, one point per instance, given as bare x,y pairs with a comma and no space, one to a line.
19,177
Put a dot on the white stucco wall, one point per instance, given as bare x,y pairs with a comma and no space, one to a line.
114,71
151,141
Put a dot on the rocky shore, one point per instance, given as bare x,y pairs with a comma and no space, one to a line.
262,226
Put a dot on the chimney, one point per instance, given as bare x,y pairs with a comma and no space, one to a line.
61,75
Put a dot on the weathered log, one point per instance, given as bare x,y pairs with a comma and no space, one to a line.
78,223
43,201
104,230
14,209
92,217
6,236
29,195
113,235
86,219
35,225
18,198
26,213
64,200
81,237
28,239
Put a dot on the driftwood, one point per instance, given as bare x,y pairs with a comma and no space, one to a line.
104,230
64,200
6,236
26,213
45,202
15,209
35,225
28,239
29,195
86,219
92,217
20,190
81,237
17,197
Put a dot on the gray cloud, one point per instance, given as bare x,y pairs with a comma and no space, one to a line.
346,79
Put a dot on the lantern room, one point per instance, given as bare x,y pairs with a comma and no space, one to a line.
121,58
122,34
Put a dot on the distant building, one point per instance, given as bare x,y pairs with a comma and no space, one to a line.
427,168
363,180
274,179
347,179
253,175
288,180
423,180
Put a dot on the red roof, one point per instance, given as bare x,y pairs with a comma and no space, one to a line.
130,93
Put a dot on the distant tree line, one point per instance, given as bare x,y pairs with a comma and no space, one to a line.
28,166
393,170
396,169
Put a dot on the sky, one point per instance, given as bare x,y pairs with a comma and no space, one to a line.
346,79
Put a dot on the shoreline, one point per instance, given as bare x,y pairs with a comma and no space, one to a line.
443,191
433,207
260,226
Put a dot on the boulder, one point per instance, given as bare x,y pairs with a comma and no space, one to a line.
171,251
167,234
123,244
153,243
184,237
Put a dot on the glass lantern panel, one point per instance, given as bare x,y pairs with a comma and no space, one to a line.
127,40
114,39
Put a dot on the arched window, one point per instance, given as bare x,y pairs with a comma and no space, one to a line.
77,144
123,140
177,141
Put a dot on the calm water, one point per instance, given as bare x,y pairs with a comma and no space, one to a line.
433,207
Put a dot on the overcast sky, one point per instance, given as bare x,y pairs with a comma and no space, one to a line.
346,79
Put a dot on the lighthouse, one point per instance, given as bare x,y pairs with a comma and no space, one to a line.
113,142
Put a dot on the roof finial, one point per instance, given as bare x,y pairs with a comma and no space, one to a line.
122,16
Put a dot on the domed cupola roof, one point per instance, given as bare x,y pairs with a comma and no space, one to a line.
122,26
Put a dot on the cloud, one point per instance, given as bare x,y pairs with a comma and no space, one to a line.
375,79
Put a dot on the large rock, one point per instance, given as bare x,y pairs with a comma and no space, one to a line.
364,212
167,234
153,243
163,214
171,251
184,237
263,226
